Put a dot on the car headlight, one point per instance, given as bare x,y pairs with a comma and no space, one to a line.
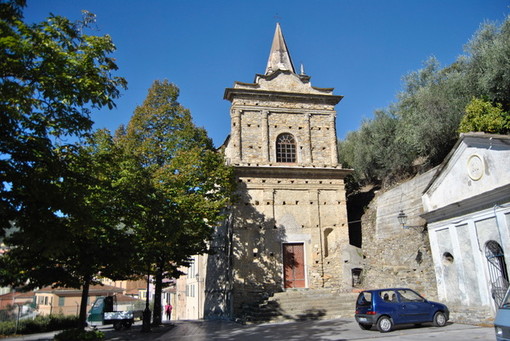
499,331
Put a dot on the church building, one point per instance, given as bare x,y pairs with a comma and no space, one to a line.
289,227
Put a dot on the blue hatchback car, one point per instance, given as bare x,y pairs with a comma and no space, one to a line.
385,308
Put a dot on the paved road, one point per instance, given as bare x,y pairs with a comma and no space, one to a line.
329,330
335,330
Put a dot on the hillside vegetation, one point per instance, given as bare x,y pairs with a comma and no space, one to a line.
436,103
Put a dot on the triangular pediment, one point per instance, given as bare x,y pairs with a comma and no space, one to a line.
477,165
283,81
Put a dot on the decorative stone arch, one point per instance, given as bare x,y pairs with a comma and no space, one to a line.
498,271
286,148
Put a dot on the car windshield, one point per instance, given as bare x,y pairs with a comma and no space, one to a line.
410,296
506,302
98,303
365,298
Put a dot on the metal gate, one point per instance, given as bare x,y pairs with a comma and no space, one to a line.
498,273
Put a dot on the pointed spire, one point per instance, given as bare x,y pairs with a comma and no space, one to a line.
279,57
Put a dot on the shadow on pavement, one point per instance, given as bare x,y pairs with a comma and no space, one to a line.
230,331
135,332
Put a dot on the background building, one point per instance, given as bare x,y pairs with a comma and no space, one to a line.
52,301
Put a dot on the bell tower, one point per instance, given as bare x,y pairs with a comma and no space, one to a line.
281,119
289,227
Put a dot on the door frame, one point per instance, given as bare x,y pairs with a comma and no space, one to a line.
305,263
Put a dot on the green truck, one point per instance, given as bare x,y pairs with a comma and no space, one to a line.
103,312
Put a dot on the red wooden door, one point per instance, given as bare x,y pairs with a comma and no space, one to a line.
294,265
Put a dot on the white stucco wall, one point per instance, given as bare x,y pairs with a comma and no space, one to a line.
467,205
465,280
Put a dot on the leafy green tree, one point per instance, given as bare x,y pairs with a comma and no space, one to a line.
89,240
189,184
483,116
430,109
426,117
488,62
372,151
52,75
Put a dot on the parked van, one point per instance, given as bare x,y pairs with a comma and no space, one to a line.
502,322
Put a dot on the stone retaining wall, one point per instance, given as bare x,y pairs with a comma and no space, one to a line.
394,256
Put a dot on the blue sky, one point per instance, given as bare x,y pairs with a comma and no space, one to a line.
362,48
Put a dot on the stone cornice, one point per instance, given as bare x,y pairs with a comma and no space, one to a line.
485,200
231,93
292,172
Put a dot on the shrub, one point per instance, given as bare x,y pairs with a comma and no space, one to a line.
485,116
7,327
39,324
79,335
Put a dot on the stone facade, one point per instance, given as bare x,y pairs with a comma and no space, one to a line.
298,205
254,133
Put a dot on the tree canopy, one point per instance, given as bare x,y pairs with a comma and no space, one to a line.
102,206
484,116
54,194
186,185
417,131
51,76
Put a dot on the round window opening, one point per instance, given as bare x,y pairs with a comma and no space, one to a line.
447,258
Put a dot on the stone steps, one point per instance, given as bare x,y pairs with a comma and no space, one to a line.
301,305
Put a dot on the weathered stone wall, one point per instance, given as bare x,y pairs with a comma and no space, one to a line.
281,209
254,134
397,257
300,203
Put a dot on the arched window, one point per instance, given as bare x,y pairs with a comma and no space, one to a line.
498,271
285,148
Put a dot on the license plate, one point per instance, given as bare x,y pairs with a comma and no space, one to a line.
362,319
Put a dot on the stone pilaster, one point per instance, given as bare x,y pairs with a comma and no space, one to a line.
308,142
332,129
235,115
265,136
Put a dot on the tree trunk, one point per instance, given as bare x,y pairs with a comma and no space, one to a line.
158,288
146,325
82,320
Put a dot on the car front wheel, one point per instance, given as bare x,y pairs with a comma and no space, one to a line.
439,319
384,324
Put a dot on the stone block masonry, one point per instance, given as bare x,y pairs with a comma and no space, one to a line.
397,257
